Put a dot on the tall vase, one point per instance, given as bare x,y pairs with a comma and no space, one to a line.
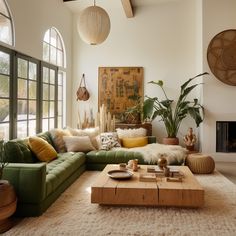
8,202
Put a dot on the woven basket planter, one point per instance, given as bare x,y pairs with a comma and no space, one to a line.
8,202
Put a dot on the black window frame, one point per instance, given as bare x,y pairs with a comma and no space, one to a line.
14,55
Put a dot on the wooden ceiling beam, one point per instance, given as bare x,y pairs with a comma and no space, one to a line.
128,8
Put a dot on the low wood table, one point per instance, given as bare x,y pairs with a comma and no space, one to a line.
187,193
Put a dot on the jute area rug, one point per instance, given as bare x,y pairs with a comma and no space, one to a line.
73,214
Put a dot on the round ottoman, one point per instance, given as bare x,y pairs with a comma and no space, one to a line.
200,164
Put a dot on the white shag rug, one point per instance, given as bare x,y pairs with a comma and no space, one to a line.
73,214
152,152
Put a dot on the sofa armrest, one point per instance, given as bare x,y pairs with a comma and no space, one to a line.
152,139
29,180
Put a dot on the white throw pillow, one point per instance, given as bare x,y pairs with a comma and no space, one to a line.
78,143
131,133
91,132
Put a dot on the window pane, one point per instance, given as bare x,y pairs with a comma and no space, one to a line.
46,51
59,78
5,30
32,90
22,88
32,71
4,63
4,86
59,58
52,76
51,109
45,75
3,8
45,125
22,109
4,110
53,38
45,109
59,122
32,109
59,92
4,131
59,108
45,92
52,92
22,68
32,127
47,37
22,129
59,44
53,55
51,123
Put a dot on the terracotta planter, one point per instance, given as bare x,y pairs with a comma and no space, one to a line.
170,141
8,202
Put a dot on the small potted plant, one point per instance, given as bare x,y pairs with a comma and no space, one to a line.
171,115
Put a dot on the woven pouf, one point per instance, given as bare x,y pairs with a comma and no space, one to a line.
200,164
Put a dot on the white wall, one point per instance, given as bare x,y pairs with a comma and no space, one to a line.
219,98
32,19
163,38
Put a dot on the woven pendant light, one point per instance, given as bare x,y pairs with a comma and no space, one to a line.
93,25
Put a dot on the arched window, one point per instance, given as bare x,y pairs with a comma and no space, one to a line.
54,53
53,48
6,24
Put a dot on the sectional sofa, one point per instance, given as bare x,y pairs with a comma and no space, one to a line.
39,184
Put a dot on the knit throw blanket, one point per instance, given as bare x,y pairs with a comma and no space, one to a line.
174,154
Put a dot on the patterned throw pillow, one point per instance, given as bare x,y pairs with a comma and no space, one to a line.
131,133
109,140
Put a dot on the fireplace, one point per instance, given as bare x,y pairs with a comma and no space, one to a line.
225,136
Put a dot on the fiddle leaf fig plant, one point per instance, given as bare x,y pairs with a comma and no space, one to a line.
171,115
3,162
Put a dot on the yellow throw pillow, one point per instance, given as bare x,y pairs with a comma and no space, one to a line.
134,142
42,149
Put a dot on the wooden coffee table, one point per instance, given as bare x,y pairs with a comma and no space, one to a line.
187,193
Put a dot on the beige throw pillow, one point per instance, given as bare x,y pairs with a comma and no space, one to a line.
78,143
91,132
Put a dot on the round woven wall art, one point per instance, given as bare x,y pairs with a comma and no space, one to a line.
221,56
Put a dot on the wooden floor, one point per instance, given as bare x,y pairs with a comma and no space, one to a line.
228,169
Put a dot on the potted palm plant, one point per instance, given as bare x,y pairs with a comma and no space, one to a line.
171,115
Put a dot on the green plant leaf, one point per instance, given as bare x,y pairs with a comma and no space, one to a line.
159,83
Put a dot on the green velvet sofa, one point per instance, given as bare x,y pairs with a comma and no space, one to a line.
39,184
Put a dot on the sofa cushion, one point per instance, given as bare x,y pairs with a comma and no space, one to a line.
61,168
18,151
57,137
109,140
134,142
131,133
112,157
78,144
42,149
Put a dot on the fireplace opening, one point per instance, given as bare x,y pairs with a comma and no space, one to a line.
225,136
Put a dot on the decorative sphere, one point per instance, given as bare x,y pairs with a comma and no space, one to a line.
93,25
162,162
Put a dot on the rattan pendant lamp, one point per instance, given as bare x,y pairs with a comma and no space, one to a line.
93,25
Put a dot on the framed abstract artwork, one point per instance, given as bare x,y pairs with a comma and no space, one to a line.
119,88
